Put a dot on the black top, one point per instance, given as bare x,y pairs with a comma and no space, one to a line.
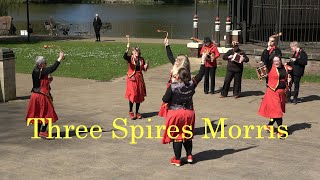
97,23
170,55
282,76
128,58
267,58
180,94
234,66
300,63
45,71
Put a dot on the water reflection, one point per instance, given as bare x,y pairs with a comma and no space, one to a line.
137,20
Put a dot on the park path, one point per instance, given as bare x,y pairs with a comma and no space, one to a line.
90,102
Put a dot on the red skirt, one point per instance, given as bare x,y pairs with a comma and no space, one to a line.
40,106
136,90
164,108
273,104
179,118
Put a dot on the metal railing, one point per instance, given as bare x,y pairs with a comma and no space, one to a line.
297,20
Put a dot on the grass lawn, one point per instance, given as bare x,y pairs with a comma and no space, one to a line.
250,73
88,60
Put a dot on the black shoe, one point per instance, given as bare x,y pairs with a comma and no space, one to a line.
294,101
206,92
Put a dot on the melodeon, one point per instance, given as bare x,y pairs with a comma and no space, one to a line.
237,58
262,71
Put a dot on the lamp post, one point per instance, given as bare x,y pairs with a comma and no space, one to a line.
217,26
228,27
195,21
28,22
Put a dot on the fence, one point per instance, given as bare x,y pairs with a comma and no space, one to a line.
298,21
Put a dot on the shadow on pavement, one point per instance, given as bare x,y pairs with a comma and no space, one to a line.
251,93
215,154
297,127
202,130
149,115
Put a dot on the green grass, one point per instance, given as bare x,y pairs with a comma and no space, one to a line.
88,60
250,73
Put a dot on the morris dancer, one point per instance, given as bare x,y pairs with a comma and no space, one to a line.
180,62
40,104
181,113
234,70
136,89
274,101
210,53
299,61
270,52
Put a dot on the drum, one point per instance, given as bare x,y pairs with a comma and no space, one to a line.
262,71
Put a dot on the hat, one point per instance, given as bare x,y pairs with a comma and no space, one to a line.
97,14
207,40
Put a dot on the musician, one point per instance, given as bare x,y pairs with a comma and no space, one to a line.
274,100
269,53
235,57
210,54
135,89
181,112
97,24
298,62
40,104
180,62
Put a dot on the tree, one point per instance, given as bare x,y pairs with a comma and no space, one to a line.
6,5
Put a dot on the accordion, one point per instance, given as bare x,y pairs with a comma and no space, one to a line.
237,58
262,71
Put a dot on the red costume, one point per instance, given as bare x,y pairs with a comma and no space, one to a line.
211,49
40,104
274,100
136,89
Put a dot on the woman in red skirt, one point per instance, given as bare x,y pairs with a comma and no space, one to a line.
180,62
181,113
136,88
40,104
274,101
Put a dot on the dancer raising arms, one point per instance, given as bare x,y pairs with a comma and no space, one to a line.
181,115
135,88
180,62
40,104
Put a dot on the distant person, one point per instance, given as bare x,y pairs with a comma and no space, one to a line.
298,62
13,29
235,57
30,29
210,54
97,26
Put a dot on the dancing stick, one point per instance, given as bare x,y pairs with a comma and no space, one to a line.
128,38
158,30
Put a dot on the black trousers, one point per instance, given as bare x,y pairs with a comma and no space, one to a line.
210,71
296,82
236,84
97,31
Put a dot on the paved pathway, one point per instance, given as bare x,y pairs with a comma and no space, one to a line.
90,102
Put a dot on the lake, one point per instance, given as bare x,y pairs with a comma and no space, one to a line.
136,20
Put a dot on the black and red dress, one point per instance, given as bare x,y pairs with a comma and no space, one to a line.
40,104
136,88
274,101
181,111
